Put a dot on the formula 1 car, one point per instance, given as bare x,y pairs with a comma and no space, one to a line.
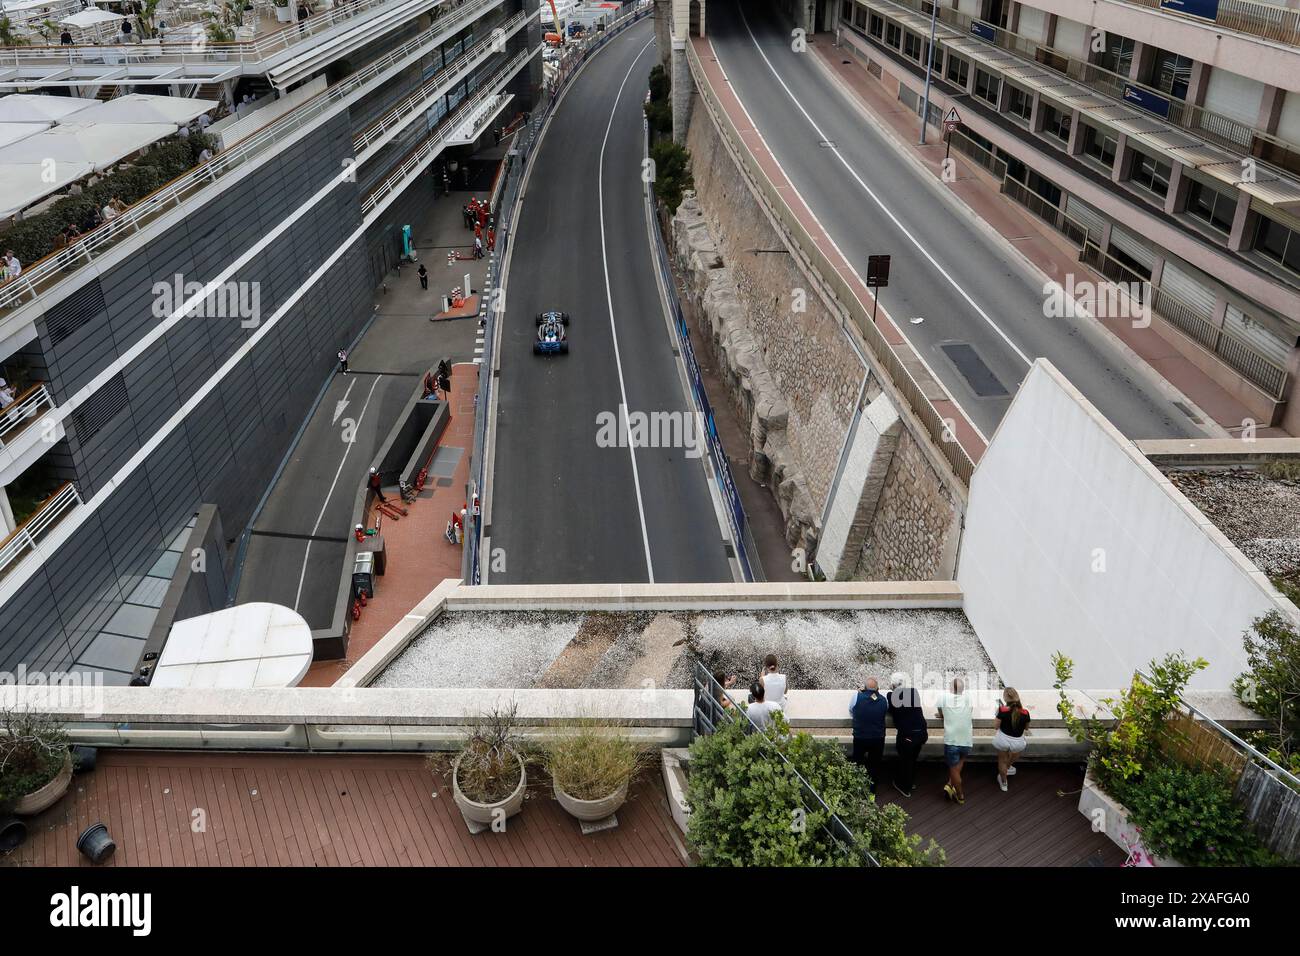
552,336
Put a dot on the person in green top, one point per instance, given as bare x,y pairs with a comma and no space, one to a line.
955,711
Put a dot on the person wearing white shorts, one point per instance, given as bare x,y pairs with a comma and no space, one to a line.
1009,739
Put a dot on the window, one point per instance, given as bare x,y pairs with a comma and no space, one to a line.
1019,103
893,35
860,17
1151,174
1117,56
1099,146
846,11
877,26
1171,73
1056,123
912,46
987,86
1278,243
958,70
1211,206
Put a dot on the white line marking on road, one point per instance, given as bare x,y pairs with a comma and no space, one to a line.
609,298
868,190
329,494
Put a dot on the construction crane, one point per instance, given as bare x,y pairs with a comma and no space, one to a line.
556,38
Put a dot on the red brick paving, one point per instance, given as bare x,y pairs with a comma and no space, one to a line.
418,554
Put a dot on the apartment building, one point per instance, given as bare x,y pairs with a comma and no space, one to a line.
135,414
1161,137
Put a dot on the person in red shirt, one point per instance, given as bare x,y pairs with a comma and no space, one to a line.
492,239
1009,739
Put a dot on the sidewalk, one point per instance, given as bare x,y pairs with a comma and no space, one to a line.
418,554
1037,242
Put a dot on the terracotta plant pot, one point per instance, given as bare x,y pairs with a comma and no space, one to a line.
41,800
591,810
489,813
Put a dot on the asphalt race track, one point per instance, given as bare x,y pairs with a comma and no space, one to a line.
565,509
995,281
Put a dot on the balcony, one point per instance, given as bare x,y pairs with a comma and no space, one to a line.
27,537
1264,20
42,276
185,58
21,442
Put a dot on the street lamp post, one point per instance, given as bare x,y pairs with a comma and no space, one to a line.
929,69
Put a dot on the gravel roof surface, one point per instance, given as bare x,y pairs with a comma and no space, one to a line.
1260,515
823,649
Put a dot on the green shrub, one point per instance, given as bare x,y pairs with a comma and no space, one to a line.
33,749
1191,815
1271,687
747,807
672,172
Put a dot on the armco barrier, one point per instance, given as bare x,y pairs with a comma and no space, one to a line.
882,356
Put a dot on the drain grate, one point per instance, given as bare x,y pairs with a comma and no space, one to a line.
972,368
826,143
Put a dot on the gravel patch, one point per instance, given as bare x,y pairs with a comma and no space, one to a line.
500,649
826,649
1260,515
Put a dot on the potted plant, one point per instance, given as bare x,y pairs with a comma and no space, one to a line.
590,768
489,777
283,12
35,763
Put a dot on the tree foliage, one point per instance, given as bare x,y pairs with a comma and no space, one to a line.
749,809
672,165
33,749
1271,687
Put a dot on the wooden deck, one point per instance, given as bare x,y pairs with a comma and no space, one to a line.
1029,825
324,810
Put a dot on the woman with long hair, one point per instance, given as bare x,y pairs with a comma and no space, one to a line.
1009,739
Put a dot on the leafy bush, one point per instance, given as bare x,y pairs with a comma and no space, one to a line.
659,110
35,238
747,807
33,749
1122,751
1271,687
1191,815
672,172
593,761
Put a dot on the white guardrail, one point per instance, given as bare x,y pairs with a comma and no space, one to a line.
19,414
23,540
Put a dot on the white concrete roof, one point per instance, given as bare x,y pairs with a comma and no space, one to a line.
90,17
246,646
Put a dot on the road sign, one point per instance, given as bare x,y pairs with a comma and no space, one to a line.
877,271
952,120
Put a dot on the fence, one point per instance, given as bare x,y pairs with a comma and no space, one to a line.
1049,212
1266,374
23,539
16,416
1268,793
886,363
490,311
708,713
56,267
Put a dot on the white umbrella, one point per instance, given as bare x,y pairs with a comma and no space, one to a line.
90,17
98,145
135,108
13,132
23,184
31,108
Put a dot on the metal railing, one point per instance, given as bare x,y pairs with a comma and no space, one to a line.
1264,20
16,416
416,159
54,268
1049,212
887,363
981,156
708,714
471,57
1215,127
200,49
1260,370
23,539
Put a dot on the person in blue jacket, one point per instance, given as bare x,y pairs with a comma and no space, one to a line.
868,710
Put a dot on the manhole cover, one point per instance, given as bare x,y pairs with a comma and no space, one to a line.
972,368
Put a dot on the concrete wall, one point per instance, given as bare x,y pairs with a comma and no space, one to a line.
796,379
1075,542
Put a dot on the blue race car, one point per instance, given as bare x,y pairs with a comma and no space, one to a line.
552,333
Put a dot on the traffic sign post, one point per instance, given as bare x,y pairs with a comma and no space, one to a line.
950,123
877,279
